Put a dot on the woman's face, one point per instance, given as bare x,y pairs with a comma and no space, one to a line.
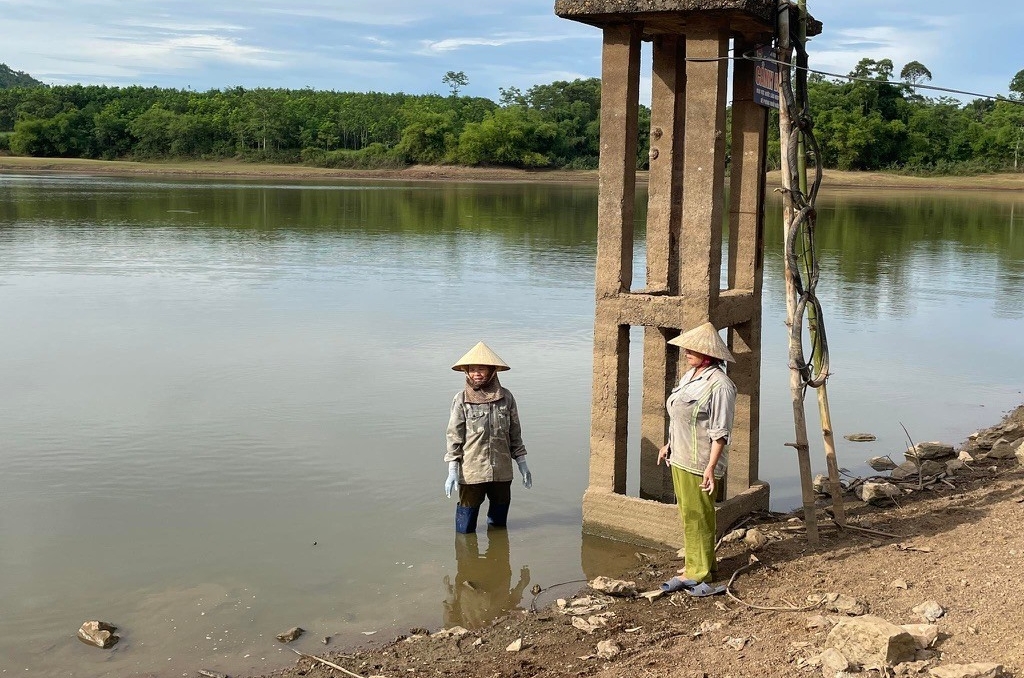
479,374
694,359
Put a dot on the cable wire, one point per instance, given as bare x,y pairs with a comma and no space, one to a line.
749,56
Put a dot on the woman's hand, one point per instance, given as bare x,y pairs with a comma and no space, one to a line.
707,482
663,454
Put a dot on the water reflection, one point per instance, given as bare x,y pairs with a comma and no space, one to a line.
482,589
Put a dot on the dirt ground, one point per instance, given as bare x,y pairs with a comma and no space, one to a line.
959,544
236,169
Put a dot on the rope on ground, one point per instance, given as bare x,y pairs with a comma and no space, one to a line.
537,592
750,565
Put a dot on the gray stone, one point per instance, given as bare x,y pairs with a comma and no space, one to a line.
844,604
1002,449
930,450
819,621
832,662
755,539
608,649
1019,452
881,463
860,437
911,668
822,485
908,469
924,635
965,457
98,633
876,493
929,610
291,634
735,535
614,587
872,641
954,465
976,670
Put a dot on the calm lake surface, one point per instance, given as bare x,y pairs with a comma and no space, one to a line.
223,403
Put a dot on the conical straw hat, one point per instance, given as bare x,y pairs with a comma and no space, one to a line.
704,339
481,354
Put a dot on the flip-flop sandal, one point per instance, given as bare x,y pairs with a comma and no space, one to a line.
677,584
703,590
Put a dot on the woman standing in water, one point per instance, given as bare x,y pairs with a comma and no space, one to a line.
700,410
484,438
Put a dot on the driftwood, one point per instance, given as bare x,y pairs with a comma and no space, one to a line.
327,663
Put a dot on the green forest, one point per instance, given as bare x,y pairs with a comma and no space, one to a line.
876,122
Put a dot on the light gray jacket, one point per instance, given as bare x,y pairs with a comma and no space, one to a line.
485,438
701,409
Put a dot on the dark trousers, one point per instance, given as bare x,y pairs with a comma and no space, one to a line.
472,496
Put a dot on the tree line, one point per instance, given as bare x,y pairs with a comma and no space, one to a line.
872,123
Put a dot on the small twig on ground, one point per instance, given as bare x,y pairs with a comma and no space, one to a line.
917,458
327,663
868,530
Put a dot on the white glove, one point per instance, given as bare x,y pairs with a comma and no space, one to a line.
524,470
453,478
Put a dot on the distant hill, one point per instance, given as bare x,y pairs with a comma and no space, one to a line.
10,78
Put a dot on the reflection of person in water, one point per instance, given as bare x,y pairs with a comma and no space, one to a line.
482,591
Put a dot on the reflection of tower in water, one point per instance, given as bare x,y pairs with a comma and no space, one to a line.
482,590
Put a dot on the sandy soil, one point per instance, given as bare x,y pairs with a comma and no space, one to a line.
958,544
233,168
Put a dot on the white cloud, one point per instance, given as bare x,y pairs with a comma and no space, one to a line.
184,51
841,50
452,44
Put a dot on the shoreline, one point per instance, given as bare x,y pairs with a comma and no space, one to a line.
956,543
227,169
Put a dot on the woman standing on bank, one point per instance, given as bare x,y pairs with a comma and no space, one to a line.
700,410
484,438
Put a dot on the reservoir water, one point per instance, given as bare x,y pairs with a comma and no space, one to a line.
223,403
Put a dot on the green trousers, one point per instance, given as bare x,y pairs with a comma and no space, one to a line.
697,511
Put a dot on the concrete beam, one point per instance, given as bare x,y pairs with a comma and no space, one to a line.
743,17
652,310
653,523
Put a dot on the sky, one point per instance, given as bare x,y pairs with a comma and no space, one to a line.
408,45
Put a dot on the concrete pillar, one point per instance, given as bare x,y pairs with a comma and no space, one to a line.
664,212
620,102
746,248
685,218
620,95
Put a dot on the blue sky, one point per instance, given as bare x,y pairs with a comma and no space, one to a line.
408,45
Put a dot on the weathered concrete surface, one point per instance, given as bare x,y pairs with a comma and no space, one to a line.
749,17
664,212
746,266
653,523
620,78
684,245
620,94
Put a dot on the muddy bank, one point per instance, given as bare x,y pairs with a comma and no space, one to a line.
959,544
241,170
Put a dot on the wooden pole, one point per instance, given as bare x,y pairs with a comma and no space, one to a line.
796,385
824,414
